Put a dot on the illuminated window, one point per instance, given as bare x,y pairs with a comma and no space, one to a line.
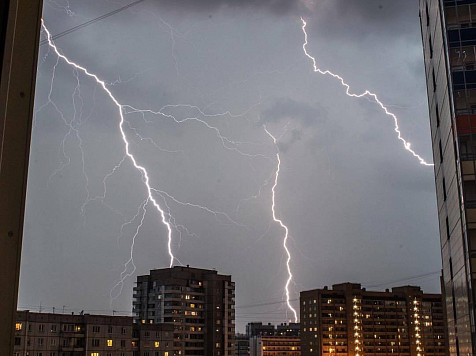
109,343
94,353
166,353
157,344
18,326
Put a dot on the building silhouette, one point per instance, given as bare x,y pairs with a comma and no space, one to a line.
349,320
199,303
449,39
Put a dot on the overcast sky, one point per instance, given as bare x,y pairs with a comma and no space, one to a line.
358,206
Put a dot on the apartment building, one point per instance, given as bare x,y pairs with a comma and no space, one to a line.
199,303
47,334
448,30
274,345
349,320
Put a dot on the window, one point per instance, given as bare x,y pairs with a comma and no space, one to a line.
96,329
123,343
437,116
95,342
40,341
109,343
431,46
94,353
157,344
441,152
447,228
18,326
147,334
41,327
427,15
444,189
110,329
17,341
54,328
123,331
53,342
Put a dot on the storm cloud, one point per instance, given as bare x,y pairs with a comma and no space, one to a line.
347,190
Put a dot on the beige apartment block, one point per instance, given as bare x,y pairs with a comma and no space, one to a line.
47,334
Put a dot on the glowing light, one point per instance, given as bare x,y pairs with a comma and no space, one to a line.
141,169
286,230
367,94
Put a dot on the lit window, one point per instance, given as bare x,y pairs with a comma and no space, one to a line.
109,343
166,353
157,344
18,326
94,353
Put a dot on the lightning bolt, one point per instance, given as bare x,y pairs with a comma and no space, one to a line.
283,226
141,169
367,94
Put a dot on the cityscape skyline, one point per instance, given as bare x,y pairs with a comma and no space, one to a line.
95,220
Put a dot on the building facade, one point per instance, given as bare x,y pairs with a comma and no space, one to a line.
242,345
291,329
275,346
348,320
449,38
199,303
46,334
257,328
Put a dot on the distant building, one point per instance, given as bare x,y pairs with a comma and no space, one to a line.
257,329
199,303
275,346
242,345
350,321
46,334
291,329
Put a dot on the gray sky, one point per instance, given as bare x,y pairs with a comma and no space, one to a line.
359,207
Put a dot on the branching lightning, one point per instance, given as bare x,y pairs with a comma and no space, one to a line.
141,169
367,94
280,222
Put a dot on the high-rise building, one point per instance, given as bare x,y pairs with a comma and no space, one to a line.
449,38
49,334
242,345
351,321
199,302
274,345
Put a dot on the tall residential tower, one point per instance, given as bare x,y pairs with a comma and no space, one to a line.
199,303
449,40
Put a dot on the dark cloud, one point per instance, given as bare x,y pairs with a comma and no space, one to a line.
362,18
288,109
296,135
275,6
